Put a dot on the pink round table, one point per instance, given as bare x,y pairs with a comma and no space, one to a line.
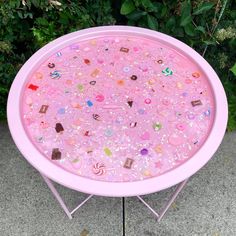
117,111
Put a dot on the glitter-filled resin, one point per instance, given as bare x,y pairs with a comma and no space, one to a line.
118,108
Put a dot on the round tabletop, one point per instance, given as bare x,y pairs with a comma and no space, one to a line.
117,111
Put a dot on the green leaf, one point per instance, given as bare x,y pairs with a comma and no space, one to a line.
127,7
136,15
207,42
189,29
206,6
233,69
152,22
170,24
186,17
201,29
147,4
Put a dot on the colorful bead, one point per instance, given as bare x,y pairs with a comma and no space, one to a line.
144,151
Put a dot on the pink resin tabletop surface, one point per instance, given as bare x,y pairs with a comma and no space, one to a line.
117,111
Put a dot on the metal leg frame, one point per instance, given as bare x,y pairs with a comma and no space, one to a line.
59,199
158,215
168,203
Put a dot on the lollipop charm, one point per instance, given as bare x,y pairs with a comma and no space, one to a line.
99,169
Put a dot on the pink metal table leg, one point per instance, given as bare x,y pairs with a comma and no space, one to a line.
69,214
60,200
169,202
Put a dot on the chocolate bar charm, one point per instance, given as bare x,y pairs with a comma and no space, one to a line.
56,154
43,109
196,103
122,49
128,163
59,128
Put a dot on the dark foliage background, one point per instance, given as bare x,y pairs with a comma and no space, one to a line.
207,26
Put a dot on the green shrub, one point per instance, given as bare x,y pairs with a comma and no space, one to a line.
207,26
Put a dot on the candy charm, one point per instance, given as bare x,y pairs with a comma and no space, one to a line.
167,71
33,87
55,74
51,65
99,169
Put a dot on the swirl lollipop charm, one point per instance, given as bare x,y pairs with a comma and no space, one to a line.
99,169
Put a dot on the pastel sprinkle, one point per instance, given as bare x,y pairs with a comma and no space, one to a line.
107,151
89,103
